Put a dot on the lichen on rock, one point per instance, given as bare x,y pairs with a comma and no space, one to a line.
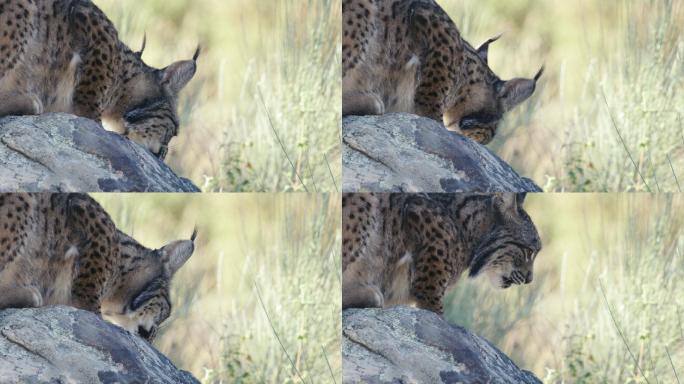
66,345
58,152
408,345
406,153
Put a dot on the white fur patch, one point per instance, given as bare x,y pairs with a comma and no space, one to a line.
406,259
113,125
130,321
399,290
66,86
454,127
71,253
413,63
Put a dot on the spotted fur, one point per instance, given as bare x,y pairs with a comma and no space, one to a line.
64,249
66,56
408,56
409,249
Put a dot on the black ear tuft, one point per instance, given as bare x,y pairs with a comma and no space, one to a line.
483,51
197,53
142,49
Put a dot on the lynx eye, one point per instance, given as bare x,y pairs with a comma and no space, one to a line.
479,119
528,254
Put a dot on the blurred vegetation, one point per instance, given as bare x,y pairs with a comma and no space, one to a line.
263,112
607,301
609,112
266,271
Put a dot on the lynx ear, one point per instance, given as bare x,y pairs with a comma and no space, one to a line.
175,254
483,51
177,75
514,92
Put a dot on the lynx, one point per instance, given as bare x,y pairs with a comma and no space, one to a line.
401,249
64,249
66,56
409,56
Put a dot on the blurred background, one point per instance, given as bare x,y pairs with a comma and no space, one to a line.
263,112
607,301
609,113
260,299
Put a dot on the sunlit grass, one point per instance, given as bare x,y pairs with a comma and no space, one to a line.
263,112
607,300
284,249
609,113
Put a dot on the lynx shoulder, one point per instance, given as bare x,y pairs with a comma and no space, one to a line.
59,249
409,56
66,56
409,249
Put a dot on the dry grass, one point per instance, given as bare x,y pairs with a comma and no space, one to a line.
263,112
284,247
609,113
606,304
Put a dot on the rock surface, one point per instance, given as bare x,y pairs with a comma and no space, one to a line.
407,345
65,153
408,153
66,345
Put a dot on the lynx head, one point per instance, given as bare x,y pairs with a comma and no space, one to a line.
480,104
507,253
141,302
150,106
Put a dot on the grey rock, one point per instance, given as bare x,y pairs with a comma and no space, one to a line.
66,345
65,153
407,153
408,345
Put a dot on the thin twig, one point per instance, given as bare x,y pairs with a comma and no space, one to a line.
617,326
655,179
673,173
313,179
332,374
672,364
636,168
282,146
331,173
276,333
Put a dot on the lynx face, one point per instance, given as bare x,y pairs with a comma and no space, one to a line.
507,254
409,56
143,304
152,125
151,118
478,114
86,70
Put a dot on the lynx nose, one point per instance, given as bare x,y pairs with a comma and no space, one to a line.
147,334
528,277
